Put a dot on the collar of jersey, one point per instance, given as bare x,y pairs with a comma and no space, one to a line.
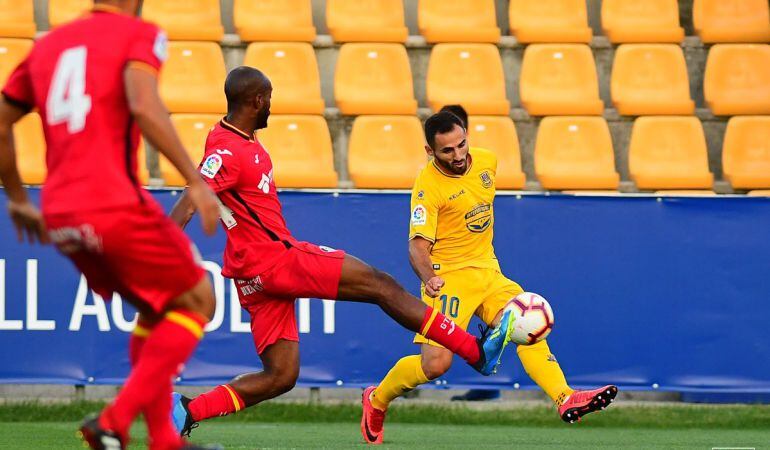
467,171
107,8
230,127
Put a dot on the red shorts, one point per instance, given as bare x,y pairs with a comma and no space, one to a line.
135,251
307,271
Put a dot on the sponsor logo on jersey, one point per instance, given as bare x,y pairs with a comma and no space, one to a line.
326,249
421,195
419,215
250,286
224,151
479,218
486,179
211,166
455,195
160,47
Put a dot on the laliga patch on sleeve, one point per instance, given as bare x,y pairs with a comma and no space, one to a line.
211,166
419,215
160,47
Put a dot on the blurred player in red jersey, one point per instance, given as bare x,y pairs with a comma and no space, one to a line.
271,268
94,83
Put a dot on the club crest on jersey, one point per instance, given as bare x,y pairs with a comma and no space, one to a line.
421,195
419,215
211,166
486,179
479,218
160,47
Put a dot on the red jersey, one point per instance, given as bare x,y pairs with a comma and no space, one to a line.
239,170
74,77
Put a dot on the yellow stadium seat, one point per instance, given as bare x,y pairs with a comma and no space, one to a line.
195,20
498,134
141,163
293,72
746,152
17,19
193,77
559,79
737,79
301,150
366,20
575,153
650,79
731,20
30,149
193,130
759,193
549,21
274,20
12,52
386,151
62,11
458,21
644,21
374,79
669,153
467,74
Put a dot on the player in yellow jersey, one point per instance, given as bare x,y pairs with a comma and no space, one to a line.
450,250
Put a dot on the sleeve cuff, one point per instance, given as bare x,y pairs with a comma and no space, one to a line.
26,107
420,235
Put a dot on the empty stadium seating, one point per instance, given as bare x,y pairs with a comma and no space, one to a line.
186,19
737,79
669,153
192,130
193,77
732,20
467,74
498,133
746,152
549,21
61,11
649,79
386,151
575,153
17,19
12,51
366,20
300,148
559,79
458,21
374,79
274,20
30,149
644,21
293,72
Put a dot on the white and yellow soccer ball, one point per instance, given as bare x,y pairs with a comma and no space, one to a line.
534,318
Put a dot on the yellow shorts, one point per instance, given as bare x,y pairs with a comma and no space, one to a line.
469,291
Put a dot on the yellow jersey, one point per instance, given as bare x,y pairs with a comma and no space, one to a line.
455,213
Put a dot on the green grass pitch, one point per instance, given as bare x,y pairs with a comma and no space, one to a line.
292,425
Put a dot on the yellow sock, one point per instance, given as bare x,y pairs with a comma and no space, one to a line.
405,375
542,367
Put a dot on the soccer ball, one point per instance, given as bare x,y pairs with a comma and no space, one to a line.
534,318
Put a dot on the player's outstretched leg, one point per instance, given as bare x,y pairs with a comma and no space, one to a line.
361,282
281,369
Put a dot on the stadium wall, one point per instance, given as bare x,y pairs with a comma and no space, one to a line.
650,293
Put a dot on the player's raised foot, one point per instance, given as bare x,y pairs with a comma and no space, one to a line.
98,438
180,414
493,342
372,419
580,403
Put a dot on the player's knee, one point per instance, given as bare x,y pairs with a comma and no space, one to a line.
200,299
282,381
385,287
436,367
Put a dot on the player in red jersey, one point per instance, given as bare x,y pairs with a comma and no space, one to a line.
94,83
272,268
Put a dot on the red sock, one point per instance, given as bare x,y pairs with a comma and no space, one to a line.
137,340
168,346
437,327
161,433
220,401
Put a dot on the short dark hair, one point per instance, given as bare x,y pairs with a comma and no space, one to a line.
458,111
440,123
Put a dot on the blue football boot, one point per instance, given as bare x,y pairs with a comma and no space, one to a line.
493,342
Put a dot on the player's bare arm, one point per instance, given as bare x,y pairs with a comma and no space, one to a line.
25,216
419,258
153,119
183,210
